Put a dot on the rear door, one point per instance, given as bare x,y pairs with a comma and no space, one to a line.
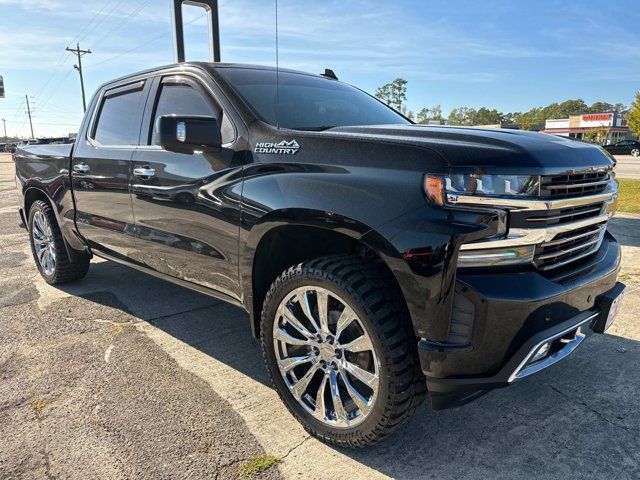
186,206
101,169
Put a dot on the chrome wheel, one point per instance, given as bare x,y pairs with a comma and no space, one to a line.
326,357
43,243
635,152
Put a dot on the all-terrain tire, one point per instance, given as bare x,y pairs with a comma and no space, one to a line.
373,295
65,269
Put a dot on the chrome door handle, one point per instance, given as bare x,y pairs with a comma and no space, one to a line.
81,168
144,172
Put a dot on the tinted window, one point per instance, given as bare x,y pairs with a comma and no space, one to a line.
120,118
183,99
307,102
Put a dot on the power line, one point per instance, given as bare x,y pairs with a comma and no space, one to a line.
55,89
152,40
88,28
131,14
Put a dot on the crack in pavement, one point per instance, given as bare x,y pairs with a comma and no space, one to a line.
196,309
590,408
299,444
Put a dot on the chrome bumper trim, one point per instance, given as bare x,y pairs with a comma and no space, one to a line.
582,331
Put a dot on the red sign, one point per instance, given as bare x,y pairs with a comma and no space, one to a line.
595,117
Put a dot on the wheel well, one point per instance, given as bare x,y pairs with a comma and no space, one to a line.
31,196
284,247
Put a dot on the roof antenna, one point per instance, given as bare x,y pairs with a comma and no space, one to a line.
277,73
211,9
329,74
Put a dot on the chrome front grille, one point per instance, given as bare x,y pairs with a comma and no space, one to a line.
545,218
569,246
574,184
565,224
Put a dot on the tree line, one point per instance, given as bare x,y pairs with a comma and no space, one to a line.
394,94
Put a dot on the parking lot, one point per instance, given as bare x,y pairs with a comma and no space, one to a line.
125,376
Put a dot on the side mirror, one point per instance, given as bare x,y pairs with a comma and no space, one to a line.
186,134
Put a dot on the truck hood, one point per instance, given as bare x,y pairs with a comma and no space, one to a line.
488,150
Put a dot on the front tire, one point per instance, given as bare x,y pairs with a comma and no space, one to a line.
339,347
49,250
635,152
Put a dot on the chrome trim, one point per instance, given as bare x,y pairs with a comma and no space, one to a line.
491,257
534,236
574,237
572,249
566,215
592,250
524,370
524,204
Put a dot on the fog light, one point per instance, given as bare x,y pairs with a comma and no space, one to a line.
542,352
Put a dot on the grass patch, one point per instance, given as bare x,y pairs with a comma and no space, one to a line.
258,465
629,195
38,405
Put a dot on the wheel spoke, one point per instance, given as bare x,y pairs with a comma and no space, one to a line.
346,317
301,386
288,363
37,229
303,300
47,261
358,399
321,409
294,322
323,310
338,407
364,376
281,335
41,256
360,344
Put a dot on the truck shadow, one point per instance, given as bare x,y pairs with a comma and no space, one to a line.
579,419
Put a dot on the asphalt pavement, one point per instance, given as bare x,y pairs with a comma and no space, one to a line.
123,375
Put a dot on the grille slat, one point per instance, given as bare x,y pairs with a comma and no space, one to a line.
569,246
574,184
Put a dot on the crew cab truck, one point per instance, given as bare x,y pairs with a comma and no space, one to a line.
380,262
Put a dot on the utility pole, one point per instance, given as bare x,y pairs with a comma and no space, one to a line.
29,113
78,67
4,122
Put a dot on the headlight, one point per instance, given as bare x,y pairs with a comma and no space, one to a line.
438,188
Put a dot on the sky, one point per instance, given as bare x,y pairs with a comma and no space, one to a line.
509,55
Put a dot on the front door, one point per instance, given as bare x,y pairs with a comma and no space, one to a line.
186,206
101,170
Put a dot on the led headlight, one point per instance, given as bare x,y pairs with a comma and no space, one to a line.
439,188
447,189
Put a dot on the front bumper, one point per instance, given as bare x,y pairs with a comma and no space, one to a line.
514,313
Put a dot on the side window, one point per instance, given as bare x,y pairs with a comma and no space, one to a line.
185,99
120,117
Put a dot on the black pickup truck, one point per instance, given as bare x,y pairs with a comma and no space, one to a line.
380,262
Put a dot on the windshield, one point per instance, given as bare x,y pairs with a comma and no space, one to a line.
307,102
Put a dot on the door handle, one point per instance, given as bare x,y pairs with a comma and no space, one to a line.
144,172
81,168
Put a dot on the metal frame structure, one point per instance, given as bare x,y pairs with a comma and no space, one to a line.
211,8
